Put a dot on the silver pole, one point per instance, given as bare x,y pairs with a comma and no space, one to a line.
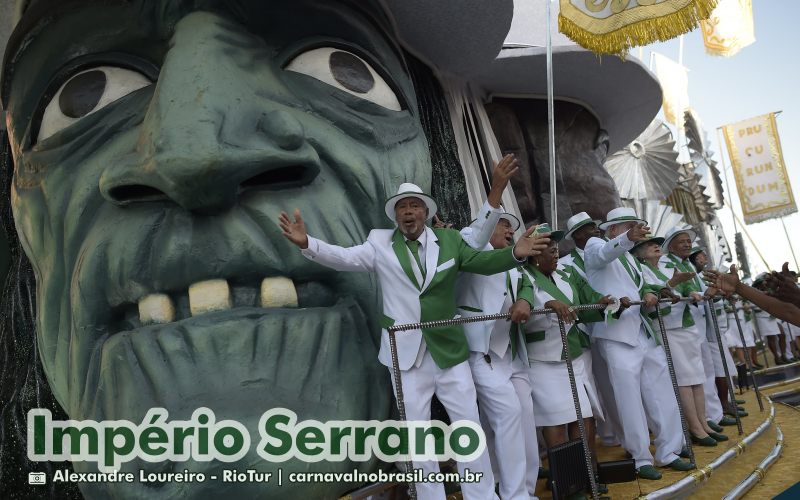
788,241
712,311
674,379
764,346
578,413
551,133
747,356
401,405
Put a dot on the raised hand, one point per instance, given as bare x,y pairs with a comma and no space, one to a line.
501,174
726,283
531,244
782,286
294,231
680,277
439,223
639,232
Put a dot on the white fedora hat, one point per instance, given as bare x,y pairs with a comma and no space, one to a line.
620,215
675,231
408,190
576,222
511,218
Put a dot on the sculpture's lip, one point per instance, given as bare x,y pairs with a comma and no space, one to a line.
190,363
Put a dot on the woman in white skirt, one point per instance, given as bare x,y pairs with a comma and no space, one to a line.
553,402
674,271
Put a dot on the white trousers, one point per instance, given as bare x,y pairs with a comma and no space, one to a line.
455,389
607,429
642,389
506,406
713,404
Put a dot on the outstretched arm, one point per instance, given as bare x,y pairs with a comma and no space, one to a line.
356,258
598,255
729,283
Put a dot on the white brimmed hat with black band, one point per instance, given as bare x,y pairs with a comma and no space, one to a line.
408,190
576,222
672,233
511,218
620,215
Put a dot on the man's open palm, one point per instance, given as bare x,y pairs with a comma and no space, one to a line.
294,231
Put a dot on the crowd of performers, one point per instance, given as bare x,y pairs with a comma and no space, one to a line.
512,376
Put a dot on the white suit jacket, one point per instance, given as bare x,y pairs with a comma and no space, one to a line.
478,295
550,348
608,276
402,300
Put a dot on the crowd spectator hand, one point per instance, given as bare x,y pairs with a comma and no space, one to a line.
440,224
679,277
531,245
566,313
650,299
294,231
724,282
710,293
783,287
520,311
666,293
638,232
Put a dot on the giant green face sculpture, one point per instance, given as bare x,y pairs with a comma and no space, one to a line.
154,144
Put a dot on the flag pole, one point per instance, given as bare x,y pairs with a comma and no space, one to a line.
790,242
551,135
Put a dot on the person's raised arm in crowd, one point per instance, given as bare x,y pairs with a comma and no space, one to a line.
783,285
478,234
729,283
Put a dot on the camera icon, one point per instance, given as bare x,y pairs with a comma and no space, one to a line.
37,478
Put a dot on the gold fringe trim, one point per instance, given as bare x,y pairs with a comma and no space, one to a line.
644,32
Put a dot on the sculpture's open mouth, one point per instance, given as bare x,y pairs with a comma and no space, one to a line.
219,295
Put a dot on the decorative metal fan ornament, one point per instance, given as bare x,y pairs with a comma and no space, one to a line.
701,155
647,168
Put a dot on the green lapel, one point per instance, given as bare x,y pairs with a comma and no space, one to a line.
578,260
548,286
637,279
657,272
401,250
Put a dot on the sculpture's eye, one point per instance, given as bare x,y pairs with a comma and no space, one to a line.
86,92
348,72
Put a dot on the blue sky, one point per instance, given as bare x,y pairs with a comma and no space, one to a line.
761,78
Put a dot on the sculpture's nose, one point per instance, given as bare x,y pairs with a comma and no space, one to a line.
208,135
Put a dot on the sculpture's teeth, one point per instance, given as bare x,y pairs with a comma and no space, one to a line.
156,308
210,295
278,292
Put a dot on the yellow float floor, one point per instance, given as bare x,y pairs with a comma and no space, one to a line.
783,473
